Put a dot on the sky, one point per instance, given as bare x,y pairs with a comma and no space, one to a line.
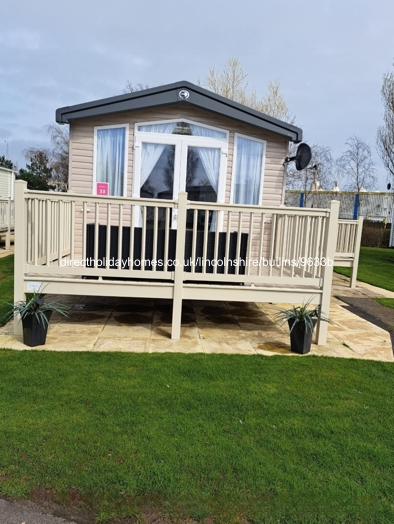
329,55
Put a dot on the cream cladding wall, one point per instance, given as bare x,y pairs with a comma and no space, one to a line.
81,152
81,147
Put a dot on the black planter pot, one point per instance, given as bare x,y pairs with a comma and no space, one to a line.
35,332
300,339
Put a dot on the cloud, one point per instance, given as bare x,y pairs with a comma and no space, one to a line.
21,39
4,133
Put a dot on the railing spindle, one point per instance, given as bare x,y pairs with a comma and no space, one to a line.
48,234
216,245
194,240
155,232
272,243
205,249
261,244
238,250
143,243
283,245
227,251
72,231
35,234
120,238
96,234
131,250
304,254
166,238
249,248
84,206
60,233
108,237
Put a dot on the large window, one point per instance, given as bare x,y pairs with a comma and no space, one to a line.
248,170
110,160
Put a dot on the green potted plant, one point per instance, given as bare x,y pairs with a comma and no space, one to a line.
301,321
35,314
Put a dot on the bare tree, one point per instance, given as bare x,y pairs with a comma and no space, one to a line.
385,135
130,88
274,104
56,155
356,166
231,83
317,175
59,154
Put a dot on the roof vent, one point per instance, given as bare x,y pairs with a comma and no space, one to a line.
184,94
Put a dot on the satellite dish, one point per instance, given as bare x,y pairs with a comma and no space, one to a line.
302,157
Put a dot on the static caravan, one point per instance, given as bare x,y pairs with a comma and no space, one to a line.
174,138
7,181
7,184
175,192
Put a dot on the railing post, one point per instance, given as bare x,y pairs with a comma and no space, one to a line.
330,243
8,235
178,270
357,244
20,249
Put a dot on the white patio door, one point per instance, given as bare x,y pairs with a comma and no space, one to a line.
166,165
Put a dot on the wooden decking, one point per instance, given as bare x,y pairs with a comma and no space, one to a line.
51,246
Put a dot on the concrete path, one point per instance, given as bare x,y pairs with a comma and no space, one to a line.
26,513
113,324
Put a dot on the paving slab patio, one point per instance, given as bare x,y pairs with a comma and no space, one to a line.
144,326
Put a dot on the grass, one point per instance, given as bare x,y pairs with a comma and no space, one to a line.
6,284
388,302
240,439
376,267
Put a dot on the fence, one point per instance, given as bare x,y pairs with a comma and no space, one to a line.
374,205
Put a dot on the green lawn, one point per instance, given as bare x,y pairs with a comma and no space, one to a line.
388,302
376,267
6,284
240,439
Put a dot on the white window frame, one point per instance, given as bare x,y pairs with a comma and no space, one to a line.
262,174
116,126
180,142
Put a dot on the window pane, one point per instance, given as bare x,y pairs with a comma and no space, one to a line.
182,128
158,128
157,178
110,158
205,131
202,179
202,173
248,171
157,173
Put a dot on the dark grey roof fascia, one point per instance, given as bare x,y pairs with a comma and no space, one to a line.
169,94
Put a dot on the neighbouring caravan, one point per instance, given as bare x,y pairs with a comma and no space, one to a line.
7,181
